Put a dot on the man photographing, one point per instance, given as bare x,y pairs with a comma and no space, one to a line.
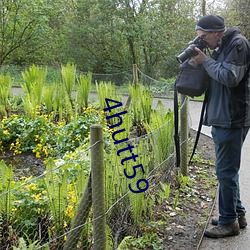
228,112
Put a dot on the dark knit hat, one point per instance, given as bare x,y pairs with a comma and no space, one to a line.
211,23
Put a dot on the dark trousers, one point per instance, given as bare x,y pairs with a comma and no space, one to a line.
228,145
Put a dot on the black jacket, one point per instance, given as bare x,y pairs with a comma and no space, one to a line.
229,90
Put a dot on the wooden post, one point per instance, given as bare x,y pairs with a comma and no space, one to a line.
135,82
184,135
98,194
135,74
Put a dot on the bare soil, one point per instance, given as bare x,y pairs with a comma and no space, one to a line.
187,222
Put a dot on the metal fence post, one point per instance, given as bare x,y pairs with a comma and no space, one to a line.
98,194
184,135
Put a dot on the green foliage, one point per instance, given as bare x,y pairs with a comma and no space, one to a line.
6,184
30,206
141,103
161,126
83,91
29,245
43,137
34,81
23,25
5,90
106,90
48,98
57,188
164,192
103,36
147,241
68,74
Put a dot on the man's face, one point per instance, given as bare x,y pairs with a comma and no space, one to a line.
211,38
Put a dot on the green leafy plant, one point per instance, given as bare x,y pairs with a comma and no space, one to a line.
141,103
147,241
106,90
6,184
68,74
5,90
161,126
23,245
48,98
83,91
30,208
165,191
33,85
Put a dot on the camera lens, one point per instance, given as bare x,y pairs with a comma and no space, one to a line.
187,53
190,51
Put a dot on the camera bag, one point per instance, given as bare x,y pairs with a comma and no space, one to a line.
192,79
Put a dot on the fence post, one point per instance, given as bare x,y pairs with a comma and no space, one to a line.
135,82
135,74
184,135
98,194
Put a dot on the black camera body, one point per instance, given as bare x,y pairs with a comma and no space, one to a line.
190,51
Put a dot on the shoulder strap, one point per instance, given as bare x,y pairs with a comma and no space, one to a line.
199,127
176,127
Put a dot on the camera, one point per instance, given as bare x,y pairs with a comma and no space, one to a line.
190,51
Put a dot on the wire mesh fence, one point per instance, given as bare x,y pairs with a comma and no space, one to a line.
56,209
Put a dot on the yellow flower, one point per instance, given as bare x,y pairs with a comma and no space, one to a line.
38,155
45,151
37,196
69,211
17,152
73,199
6,132
31,187
14,209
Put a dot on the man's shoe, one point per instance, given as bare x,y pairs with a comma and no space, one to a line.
241,219
221,231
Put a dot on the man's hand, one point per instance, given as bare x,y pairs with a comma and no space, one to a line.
200,58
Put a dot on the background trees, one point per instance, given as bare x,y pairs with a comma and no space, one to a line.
107,36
